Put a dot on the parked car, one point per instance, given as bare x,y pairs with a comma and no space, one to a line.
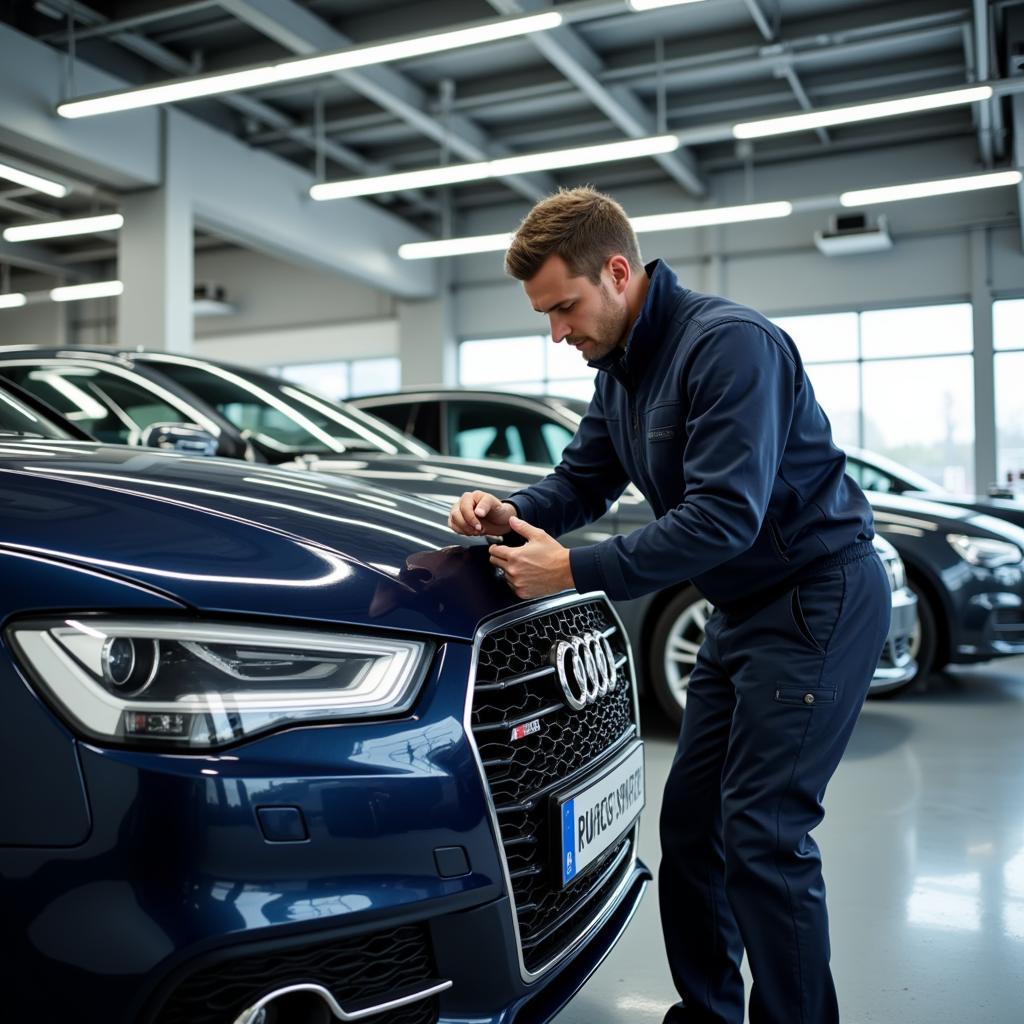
265,417
964,567
877,473
279,747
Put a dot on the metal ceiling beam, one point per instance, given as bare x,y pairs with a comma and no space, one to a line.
36,258
575,59
303,33
250,107
109,28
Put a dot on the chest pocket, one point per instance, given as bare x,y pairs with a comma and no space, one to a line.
664,437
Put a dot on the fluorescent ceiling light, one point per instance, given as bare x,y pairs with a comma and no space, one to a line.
96,290
12,300
63,228
658,222
455,246
859,112
50,188
309,67
924,189
551,160
653,5
704,218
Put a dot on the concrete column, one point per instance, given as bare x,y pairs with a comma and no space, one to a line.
426,338
984,363
155,256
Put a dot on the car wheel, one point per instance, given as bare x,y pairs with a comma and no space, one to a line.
678,634
922,647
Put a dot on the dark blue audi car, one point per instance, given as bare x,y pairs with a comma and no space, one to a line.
278,749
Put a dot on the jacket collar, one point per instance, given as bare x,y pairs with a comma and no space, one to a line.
648,330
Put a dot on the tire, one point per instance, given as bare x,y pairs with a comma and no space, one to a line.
922,646
677,636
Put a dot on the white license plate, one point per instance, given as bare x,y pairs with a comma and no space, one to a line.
598,815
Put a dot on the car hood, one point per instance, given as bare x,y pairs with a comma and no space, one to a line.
227,536
901,511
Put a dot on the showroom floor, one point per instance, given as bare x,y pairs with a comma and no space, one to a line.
923,845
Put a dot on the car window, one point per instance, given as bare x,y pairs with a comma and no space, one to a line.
283,416
499,430
427,425
400,415
111,407
18,418
871,478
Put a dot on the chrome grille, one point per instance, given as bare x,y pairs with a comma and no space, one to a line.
516,684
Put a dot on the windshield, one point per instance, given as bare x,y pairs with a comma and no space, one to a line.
17,419
284,416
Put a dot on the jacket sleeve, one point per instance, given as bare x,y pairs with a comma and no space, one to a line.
582,486
740,387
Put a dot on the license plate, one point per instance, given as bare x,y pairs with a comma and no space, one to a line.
596,816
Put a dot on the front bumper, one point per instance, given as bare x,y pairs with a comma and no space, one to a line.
183,905
896,665
994,623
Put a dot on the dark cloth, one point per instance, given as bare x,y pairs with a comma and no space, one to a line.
772,703
708,411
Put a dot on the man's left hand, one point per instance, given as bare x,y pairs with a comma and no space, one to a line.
538,568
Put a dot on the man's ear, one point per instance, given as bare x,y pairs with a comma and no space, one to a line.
619,269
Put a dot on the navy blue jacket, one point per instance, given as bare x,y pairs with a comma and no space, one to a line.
709,412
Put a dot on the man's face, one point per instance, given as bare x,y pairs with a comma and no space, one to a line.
593,318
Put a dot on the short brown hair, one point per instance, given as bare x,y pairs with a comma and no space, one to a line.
583,226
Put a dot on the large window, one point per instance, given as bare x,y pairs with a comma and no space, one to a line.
345,379
1008,336
532,364
899,382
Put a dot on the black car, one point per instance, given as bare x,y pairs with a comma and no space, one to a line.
963,564
261,417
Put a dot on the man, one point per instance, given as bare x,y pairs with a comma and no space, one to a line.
705,406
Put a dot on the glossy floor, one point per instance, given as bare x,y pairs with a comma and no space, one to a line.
923,846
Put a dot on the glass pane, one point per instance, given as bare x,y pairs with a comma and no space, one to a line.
837,389
327,379
564,361
18,418
825,337
375,376
520,387
1010,419
556,437
1008,323
489,362
917,331
928,426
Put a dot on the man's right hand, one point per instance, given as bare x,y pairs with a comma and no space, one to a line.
478,513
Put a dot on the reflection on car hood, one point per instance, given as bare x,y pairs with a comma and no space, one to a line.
223,535
931,515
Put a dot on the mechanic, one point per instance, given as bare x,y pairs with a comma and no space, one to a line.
705,406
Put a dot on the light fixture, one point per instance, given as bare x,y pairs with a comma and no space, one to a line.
95,290
602,153
12,300
653,5
64,228
656,222
925,189
50,188
705,218
309,67
860,112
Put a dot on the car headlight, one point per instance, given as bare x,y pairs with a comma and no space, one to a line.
186,685
983,551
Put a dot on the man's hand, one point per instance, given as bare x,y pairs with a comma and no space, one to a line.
539,567
477,513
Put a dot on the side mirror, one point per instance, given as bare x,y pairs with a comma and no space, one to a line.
180,437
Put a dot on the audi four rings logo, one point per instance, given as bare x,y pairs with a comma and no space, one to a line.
586,668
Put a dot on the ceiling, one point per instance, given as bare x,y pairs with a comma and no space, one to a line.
610,73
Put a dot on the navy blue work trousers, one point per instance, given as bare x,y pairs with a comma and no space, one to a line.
772,702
